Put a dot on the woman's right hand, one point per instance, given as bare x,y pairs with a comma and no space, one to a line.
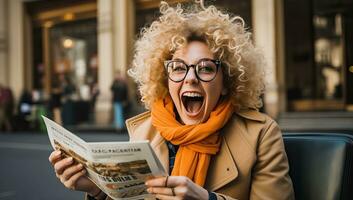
72,175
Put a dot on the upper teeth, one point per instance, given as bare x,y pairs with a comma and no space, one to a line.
192,94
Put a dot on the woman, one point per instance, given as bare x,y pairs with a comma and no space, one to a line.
201,78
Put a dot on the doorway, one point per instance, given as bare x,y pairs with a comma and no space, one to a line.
65,56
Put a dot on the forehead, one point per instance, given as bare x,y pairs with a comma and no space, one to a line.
193,51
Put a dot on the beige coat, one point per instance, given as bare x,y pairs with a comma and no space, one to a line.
251,164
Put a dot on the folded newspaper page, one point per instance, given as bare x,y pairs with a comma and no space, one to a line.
120,169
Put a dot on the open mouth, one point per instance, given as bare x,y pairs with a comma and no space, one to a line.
192,102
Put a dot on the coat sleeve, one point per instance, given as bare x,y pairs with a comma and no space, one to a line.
223,197
270,175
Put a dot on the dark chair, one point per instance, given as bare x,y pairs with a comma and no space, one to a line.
321,165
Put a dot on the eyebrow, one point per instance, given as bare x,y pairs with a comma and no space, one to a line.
179,59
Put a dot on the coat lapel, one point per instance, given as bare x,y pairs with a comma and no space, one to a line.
140,128
222,169
161,150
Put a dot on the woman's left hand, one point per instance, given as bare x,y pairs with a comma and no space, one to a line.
176,187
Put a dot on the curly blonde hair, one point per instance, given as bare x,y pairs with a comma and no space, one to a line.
226,36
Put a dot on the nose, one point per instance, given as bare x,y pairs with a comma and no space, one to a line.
191,76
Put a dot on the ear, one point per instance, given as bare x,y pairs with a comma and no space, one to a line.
224,91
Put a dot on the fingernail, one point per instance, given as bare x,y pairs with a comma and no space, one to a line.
57,152
149,190
83,171
70,159
146,183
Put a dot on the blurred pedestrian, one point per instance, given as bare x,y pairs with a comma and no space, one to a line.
55,101
25,107
7,104
67,99
94,95
120,99
2,107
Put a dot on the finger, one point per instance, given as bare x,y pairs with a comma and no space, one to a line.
172,181
161,190
61,165
158,182
54,156
165,197
57,175
70,171
72,181
175,181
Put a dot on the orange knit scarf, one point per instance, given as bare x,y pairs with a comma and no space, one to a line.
196,142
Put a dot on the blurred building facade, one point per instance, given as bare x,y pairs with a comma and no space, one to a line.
307,43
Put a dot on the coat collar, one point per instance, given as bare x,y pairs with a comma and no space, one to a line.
252,115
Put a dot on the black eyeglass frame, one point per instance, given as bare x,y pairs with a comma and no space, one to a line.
218,63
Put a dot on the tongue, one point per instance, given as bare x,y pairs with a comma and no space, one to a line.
194,106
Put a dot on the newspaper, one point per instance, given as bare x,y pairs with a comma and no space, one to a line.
119,169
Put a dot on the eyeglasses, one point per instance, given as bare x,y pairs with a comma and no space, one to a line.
205,69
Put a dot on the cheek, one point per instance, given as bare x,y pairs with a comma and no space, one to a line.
173,89
214,91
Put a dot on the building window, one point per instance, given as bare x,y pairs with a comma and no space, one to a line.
318,55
